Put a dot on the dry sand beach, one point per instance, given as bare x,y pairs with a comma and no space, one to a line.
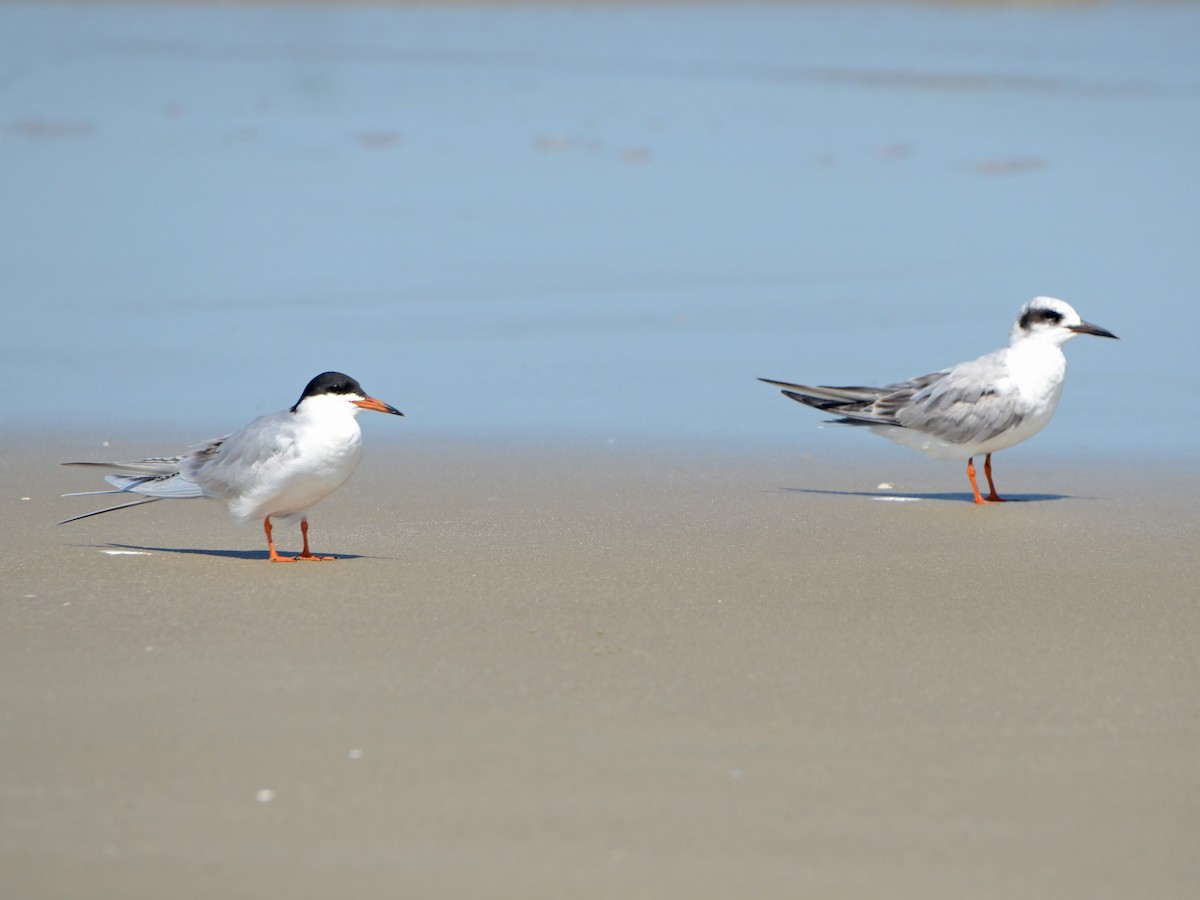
613,619
607,672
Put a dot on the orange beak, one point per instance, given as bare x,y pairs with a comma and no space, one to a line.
377,405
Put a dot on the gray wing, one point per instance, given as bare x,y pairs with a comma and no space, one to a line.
972,402
825,392
857,404
238,464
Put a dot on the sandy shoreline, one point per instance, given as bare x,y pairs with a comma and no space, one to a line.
607,672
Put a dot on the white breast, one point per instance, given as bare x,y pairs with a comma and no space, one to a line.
1038,370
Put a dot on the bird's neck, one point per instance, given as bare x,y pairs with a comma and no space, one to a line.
1038,366
333,420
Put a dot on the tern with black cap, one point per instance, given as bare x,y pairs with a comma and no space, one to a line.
981,406
276,467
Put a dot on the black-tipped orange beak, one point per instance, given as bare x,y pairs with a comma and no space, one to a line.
377,405
1089,328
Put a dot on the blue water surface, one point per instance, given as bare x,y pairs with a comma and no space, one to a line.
588,222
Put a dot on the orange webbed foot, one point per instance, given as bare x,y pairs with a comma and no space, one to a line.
992,496
274,557
307,555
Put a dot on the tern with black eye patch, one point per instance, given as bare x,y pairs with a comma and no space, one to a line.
980,406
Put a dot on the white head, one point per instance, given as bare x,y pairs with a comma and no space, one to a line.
1049,319
336,392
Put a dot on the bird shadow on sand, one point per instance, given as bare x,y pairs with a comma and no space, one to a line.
953,497
198,551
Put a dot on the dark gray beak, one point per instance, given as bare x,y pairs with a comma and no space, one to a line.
1089,328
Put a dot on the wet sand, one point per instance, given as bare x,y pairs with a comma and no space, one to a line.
607,672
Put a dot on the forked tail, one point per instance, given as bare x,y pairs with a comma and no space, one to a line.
154,479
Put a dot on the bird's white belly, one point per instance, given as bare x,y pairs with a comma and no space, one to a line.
298,480
303,490
1034,422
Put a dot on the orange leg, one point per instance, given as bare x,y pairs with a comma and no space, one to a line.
974,486
275,557
306,554
987,470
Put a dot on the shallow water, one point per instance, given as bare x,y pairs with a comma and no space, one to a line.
587,222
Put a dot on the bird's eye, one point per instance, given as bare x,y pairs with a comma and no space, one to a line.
1053,317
